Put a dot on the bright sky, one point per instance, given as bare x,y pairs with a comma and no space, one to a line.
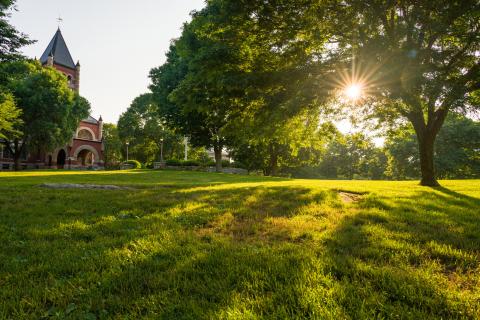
116,41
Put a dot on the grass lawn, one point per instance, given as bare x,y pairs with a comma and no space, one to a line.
189,245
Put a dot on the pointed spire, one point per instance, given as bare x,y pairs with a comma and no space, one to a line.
100,119
57,48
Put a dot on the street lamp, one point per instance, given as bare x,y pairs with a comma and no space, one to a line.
127,143
161,150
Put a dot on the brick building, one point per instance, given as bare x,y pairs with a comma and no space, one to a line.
85,148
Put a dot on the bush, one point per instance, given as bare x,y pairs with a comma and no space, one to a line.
226,164
210,163
182,163
135,163
190,163
173,162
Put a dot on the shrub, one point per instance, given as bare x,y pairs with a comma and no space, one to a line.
210,163
226,163
190,163
182,163
135,163
173,162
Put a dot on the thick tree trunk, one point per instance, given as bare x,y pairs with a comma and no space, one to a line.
427,166
272,169
217,148
426,134
16,161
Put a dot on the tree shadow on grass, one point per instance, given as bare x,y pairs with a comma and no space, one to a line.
240,252
166,257
416,257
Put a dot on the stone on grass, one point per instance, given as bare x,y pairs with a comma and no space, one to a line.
82,186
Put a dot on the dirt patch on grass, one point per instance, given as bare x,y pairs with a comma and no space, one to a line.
82,186
349,197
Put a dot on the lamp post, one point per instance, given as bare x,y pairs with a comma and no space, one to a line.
127,143
161,150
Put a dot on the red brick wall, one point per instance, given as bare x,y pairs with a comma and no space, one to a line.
94,127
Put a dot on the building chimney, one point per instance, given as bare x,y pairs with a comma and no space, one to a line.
77,77
100,128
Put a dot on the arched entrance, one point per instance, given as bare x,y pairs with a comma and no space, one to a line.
61,157
86,158
50,161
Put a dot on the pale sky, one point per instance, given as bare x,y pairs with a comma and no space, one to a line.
116,41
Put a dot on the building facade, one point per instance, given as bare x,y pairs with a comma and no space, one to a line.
85,148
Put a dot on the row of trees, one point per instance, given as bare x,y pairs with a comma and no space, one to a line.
38,110
262,78
330,154
355,156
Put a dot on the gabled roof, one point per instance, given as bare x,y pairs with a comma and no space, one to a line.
90,119
57,48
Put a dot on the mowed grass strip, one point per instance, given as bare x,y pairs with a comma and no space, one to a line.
190,245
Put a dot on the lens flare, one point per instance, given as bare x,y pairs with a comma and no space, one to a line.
353,91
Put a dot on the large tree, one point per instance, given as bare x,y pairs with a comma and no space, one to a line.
11,41
112,145
456,150
234,59
417,60
143,127
50,110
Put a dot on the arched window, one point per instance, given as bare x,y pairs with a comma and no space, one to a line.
84,134
69,79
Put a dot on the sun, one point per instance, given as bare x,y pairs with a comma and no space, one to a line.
353,91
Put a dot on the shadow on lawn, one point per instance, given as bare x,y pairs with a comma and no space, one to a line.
98,246
408,261
136,178
244,252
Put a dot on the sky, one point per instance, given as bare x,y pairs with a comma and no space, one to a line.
116,41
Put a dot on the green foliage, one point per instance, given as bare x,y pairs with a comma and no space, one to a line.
456,150
145,130
50,110
136,164
183,163
242,70
191,245
9,116
349,156
419,61
173,162
112,146
11,40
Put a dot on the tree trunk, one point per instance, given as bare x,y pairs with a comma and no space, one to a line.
16,161
16,156
426,149
217,148
272,169
426,134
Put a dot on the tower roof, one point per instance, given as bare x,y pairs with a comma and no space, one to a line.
57,48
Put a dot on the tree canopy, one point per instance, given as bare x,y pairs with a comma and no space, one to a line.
417,60
50,110
145,130
243,72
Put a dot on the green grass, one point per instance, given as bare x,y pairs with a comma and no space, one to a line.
189,245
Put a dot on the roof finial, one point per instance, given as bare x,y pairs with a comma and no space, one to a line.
59,20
